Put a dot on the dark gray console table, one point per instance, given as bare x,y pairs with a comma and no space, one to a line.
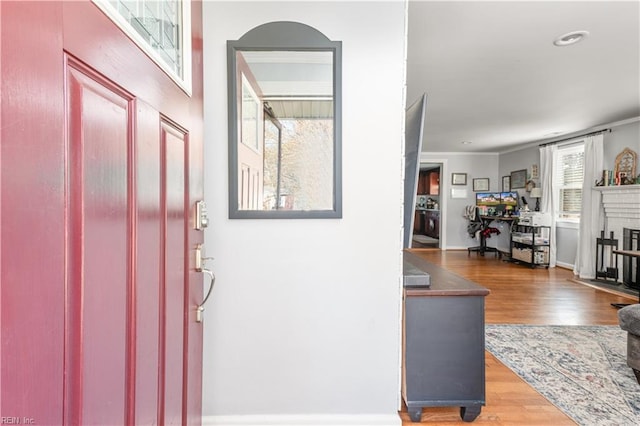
443,343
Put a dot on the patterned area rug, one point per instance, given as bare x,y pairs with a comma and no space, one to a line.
582,370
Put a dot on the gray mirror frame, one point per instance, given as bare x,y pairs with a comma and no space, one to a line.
287,36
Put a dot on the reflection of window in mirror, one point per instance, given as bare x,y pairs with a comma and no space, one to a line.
249,116
284,130
296,90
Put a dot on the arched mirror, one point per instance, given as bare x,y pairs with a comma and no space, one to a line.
284,86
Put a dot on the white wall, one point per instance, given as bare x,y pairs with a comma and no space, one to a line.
305,315
522,159
476,165
620,137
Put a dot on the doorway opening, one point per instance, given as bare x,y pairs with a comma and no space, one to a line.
427,211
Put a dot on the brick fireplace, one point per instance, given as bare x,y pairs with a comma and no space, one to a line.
630,269
622,217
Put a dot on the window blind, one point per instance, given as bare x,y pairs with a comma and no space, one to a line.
568,178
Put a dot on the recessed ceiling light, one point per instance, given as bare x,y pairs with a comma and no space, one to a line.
548,135
466,143
570,38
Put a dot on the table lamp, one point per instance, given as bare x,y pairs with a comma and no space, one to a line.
537,194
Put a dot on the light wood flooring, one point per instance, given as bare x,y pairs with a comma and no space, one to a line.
520,295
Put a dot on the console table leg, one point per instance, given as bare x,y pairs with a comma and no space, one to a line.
469,414
415,414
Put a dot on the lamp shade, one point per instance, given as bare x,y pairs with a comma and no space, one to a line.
536,193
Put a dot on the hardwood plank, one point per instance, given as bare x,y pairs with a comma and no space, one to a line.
519,295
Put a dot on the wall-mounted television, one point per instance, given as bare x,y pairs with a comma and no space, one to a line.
487,199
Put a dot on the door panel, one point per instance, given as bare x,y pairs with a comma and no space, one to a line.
173,141
251,141
149,253
99,124
99,169
32,214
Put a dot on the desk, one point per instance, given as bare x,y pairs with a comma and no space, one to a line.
634,254
486,221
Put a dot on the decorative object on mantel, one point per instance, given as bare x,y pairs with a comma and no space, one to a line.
625,170
608,179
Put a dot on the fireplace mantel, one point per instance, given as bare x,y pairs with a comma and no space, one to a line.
621,201
622,211
616,188
621,207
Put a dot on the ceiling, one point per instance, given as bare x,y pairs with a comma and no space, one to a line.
494,78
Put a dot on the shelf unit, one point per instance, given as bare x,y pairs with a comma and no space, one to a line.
530,244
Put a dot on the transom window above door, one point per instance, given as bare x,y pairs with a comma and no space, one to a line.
160,28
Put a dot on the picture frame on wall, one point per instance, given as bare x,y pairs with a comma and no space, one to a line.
480,184
506,183
458,178
518,179
534,171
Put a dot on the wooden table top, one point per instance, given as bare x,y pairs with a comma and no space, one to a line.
504,218
631,253
443,282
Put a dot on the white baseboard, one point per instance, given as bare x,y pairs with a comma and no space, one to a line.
564,265
303,420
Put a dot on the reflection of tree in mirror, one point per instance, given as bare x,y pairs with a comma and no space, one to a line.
306,168
271,154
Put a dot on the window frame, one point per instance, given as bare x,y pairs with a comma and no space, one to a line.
184,81
569,148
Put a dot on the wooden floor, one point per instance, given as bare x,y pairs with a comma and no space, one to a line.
520,295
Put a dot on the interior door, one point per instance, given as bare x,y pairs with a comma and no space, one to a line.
251,143
99,175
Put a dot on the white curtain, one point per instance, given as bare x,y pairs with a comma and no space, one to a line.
549,201
591,214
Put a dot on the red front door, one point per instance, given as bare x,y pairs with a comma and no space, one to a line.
101,165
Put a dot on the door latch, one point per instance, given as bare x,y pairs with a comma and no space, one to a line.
202,218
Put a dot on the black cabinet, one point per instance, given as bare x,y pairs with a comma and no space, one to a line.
427,222
432,223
